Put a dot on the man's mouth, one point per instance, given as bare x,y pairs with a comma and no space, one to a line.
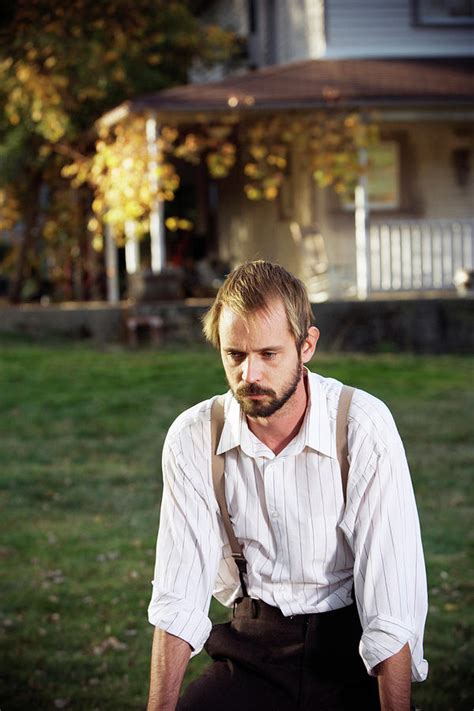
253,393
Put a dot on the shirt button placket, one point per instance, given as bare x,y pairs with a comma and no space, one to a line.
273,503
269,488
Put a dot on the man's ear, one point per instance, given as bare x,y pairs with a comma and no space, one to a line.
309,344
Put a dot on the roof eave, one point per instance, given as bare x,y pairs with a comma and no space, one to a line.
166,111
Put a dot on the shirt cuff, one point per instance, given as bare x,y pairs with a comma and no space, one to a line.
384,637
181,619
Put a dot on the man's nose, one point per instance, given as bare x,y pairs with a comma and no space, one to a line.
251,370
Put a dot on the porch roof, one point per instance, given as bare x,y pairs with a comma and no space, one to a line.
319,83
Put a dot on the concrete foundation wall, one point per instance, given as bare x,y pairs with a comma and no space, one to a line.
419,326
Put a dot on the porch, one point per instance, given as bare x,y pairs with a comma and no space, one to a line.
412,244
427,256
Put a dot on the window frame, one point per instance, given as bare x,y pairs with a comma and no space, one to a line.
421,18
378,205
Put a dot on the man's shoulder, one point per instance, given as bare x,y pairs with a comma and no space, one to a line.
368,414
194,420
191,417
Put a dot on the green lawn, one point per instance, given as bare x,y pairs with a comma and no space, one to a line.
81,432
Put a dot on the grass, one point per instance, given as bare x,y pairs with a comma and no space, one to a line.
81,432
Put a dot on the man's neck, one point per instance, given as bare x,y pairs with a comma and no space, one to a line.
277,431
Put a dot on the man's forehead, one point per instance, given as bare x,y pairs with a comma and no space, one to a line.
271,316
271,311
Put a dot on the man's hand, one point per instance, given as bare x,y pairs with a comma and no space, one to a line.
169,659
394,677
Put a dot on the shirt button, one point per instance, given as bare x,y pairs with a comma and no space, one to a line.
274,514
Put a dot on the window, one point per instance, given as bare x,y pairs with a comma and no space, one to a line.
383,178
444,12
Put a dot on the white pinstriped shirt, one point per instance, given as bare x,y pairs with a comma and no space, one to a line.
303,549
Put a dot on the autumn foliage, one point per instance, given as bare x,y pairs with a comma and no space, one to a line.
62,65
67,174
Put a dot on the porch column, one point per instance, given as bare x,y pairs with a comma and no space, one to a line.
361,228
111,266
132,248
157,221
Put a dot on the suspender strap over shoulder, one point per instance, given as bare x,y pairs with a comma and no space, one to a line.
218,479
218,462
342,448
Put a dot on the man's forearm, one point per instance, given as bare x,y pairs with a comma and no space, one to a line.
169,659
394,677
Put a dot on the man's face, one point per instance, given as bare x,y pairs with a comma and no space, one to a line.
260,358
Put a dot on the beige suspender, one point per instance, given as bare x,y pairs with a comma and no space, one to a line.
217,423
342,448
218,461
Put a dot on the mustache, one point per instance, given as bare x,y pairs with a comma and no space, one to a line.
254,389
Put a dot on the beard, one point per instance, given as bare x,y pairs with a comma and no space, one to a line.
266,408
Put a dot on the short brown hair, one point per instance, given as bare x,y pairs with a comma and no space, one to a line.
250,287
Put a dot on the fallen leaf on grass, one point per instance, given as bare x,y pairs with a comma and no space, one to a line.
6,552
109,643
450,606
55,576
61,703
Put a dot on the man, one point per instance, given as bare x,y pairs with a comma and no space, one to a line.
330,613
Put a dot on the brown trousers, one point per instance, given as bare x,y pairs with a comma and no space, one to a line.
265,661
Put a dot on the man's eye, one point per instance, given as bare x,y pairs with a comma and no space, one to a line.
235,355
269,354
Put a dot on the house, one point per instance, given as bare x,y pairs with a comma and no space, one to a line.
405,64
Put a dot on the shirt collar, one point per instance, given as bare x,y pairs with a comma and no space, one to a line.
316,431
319,434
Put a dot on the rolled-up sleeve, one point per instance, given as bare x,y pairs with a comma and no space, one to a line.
389,569
188,548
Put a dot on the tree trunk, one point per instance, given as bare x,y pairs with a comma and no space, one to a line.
30,213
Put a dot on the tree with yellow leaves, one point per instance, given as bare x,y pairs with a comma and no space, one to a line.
62,65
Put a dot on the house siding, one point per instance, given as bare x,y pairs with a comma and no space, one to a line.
385,28
260,230
442,197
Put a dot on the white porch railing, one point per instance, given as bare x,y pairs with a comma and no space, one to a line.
413,255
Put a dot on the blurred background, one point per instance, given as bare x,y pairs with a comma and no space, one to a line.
145,151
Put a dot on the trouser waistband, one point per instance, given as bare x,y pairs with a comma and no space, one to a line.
251,608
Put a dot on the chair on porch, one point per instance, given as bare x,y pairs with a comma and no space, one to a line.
314,260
